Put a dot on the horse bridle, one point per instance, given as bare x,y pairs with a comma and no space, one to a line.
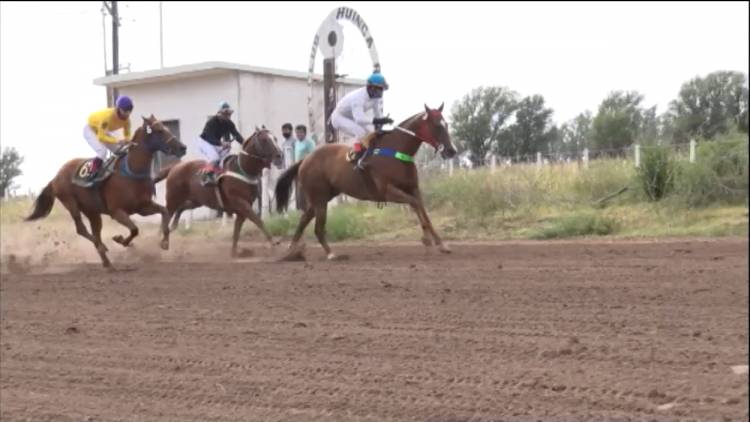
266,161
439,147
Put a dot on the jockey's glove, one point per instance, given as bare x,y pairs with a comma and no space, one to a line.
379,121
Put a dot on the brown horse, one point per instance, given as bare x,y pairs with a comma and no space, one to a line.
390,175
237,187
127,191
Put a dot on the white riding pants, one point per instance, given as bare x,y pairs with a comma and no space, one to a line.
102,149
348,126
212,153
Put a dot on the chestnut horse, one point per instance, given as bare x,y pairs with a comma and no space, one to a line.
237,186
127,191
389,176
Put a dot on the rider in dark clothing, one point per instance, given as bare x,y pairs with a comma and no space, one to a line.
217,128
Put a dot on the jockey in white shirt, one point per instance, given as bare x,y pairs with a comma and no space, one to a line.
350,113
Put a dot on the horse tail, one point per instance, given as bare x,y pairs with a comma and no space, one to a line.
43,204
284,186
163,174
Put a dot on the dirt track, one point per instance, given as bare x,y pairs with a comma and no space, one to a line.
510,331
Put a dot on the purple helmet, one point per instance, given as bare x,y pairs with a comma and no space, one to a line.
124,103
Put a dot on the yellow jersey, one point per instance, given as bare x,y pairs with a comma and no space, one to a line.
107,120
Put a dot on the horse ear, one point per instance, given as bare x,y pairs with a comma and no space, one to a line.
257,129
427,109
440,109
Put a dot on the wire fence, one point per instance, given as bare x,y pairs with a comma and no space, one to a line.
433,164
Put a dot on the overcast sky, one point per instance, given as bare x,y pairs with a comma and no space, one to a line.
571,53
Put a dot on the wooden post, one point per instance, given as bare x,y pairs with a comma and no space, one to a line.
493,163
539,159
637,156
692,150
586,157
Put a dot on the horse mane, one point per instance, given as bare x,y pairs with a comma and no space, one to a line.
409,120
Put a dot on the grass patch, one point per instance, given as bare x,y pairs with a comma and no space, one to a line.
585,224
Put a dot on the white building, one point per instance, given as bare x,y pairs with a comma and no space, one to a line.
184,97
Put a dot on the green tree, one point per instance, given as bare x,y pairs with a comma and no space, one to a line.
478,118
532,131
619,121
710,106
575,135
10,168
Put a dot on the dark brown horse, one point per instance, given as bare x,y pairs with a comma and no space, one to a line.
237,187
390,175
129,190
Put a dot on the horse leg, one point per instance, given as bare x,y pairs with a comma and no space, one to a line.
154,208
82,231
426,218
321,214
304,220
394,194
96,228
123,218
178,213
238,221
245,210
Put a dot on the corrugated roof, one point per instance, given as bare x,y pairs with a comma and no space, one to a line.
197,69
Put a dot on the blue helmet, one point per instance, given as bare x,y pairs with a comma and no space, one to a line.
377,79
124,103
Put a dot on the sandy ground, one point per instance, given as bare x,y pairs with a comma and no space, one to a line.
570,330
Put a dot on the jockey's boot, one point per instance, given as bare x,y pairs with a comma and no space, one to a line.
96,167
367,151
208,174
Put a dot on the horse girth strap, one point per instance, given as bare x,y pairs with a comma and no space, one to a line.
390,152
238,176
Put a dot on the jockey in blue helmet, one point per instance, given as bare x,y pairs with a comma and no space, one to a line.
350,117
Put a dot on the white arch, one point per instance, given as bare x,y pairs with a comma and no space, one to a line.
345,13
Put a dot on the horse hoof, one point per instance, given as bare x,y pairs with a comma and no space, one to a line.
164,245
121,240
427,241
333,257
244,253
444,249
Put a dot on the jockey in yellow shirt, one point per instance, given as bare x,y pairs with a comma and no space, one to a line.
101,124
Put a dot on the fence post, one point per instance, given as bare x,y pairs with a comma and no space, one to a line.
692,150
637,156
493,163
538,159
586,157
450,167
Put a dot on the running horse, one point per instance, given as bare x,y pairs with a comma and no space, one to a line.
236,189
124,188
389,176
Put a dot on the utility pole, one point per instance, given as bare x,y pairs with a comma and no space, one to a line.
112,9
161,38
329,100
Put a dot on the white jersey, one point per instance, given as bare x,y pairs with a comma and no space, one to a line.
355,105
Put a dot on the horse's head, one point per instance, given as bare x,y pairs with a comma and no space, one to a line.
154,136
432,128
262,145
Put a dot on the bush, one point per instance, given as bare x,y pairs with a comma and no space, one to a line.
656,172
719,175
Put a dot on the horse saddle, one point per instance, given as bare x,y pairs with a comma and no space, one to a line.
210,181
353,155
82,176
